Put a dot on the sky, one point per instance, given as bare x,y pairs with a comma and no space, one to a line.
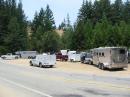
60,8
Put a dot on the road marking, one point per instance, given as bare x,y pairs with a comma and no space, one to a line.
27,88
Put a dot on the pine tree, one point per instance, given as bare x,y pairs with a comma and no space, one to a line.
49,19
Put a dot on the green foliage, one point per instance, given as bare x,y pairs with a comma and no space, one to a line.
44,38
102,24
13,27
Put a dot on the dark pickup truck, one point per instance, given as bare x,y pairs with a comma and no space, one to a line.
60,57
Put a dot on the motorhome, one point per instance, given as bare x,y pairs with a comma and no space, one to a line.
44,60
110,57
73,56
27,54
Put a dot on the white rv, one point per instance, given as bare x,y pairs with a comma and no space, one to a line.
110,57
26,54
44,60
73,56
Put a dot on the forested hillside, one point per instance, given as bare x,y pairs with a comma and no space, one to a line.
101,23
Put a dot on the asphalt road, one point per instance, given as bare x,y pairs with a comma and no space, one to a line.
27,81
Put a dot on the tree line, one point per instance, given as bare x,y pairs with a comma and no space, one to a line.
101,23
13,24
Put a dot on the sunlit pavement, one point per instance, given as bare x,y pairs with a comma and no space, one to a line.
27,81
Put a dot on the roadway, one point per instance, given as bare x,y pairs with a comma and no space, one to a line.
27,81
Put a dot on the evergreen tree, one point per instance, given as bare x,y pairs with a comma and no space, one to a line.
49,19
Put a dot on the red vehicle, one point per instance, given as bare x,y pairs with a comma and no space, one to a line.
61,57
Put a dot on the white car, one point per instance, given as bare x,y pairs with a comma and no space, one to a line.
44,60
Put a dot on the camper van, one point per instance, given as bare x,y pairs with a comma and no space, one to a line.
44,60
110,57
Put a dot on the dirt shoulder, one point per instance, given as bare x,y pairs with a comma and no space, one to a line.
77,67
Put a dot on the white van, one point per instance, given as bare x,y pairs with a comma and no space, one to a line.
73,56
110,57
44,60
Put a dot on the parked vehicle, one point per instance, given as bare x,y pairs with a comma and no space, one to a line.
110,57
128,57
82,57
27,54
73,56
86,58
44,60
9,56
62,55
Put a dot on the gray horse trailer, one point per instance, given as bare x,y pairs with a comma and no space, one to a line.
26,54
110,57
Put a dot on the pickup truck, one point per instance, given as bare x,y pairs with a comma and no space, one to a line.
61,57
43,60
9,56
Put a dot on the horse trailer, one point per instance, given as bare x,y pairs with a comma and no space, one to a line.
26,54
110,57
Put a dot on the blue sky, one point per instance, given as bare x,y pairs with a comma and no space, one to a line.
60,8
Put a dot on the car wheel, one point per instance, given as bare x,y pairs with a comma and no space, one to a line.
89,62
51,66
31,63
40,65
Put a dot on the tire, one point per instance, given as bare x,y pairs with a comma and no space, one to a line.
31,63
51,66
99,65
102,66
89,62
40,65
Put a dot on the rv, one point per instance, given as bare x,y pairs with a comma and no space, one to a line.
110,57
26,54
44,60
73,56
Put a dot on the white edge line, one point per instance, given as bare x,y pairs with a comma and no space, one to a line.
27,88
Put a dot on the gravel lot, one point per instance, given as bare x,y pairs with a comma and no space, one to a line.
77,67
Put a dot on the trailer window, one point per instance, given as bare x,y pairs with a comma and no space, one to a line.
99,54
102,54
122,51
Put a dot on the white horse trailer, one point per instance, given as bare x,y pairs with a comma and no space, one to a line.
44,60
26,54
110,57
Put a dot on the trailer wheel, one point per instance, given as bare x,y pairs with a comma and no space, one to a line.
102,66
99,65
40,65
